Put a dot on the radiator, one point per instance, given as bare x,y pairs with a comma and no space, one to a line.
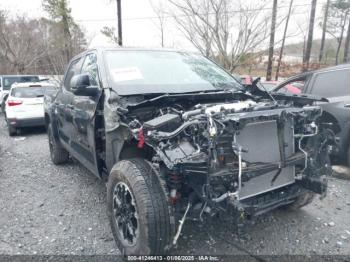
261,141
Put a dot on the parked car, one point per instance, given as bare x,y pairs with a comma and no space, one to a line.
332,83
6,82
24,106
186,141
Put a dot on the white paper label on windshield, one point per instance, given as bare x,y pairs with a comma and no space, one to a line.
126,74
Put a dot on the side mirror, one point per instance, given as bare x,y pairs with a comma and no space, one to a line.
80,86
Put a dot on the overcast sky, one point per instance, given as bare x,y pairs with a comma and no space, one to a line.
139,29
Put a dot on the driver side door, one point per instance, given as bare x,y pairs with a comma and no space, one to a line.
84,112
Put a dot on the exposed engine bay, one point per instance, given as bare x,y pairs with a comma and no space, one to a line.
245,155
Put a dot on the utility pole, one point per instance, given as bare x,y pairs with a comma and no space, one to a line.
272,41
120,27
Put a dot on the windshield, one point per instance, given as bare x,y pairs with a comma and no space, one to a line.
9,80
28,92
145,72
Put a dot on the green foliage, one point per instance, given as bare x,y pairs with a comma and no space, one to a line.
57,9
39,46
342,5
339,11
70,38
109,32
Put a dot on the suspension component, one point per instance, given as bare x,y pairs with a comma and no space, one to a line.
174,180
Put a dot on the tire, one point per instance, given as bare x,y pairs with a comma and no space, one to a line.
12,130
58,154
3,106
301,201
150,224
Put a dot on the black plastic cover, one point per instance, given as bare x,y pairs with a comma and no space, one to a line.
161,122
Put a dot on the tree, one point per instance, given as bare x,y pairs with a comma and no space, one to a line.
324,30
306,59
160,11
346,46
61,13
272,41
283,40
19,45
224,30
195,27
338,18
35,46
109,32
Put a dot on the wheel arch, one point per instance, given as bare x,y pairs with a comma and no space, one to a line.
119,146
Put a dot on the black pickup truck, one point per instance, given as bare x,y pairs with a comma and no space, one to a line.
176,136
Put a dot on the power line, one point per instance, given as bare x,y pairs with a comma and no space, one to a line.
170,16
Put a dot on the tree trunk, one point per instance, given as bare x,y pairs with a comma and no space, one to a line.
340,40
272,41
67,38
310,36
346,47
324,28
283,40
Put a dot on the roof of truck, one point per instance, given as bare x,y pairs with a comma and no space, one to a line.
117,48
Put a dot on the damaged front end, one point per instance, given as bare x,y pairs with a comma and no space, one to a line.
241,156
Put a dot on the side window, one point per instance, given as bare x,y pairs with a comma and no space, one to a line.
333,83
74,69
90,68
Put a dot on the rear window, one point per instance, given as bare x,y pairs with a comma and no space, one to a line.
332,84
28,92
9,80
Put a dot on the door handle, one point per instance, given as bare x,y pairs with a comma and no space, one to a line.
70,106
347,105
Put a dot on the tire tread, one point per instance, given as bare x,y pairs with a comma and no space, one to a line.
145,182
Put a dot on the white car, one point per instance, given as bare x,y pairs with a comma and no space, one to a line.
24,106
6,82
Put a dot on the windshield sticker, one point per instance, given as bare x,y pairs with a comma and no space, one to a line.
126,74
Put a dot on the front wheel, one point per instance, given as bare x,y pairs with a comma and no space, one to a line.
138,209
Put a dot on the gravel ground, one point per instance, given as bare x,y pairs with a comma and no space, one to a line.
50,210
